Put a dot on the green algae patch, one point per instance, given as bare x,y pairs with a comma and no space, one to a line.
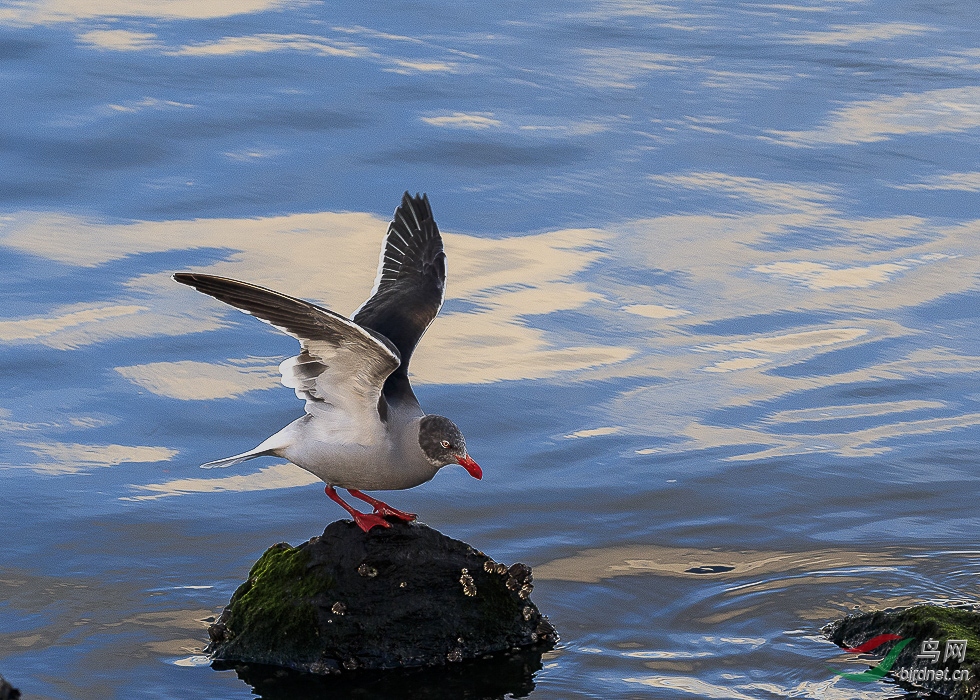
942,656
400,597
274,613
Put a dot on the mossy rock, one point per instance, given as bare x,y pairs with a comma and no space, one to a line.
952,678
399,597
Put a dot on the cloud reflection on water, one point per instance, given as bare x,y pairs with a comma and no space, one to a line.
264,43
506,297
119,40
594,565
72,458
58,11
843,34
278,476
203,381
944,111
66,326
965,182
434,59
504,281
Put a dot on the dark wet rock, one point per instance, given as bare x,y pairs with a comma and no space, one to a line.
7,691
406,596
949,677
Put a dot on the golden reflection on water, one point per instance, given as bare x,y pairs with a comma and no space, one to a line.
277,476
502,280
948,110
694,686
594,565
76,609
843,34
501,293
838,580
52,11
202,381
737,683
72,458
184,631
333,42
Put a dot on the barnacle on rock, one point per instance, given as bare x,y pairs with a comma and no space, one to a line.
367,571
469,586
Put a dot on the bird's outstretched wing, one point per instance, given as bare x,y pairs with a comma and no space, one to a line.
411,282
342,365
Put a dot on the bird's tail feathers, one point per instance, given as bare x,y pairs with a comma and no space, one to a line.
236,459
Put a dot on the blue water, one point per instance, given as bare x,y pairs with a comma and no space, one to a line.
712,306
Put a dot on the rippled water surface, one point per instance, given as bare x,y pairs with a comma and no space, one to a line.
711,326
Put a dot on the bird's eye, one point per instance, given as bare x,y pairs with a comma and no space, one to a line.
445,444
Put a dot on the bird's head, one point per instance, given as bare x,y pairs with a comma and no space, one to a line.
443,443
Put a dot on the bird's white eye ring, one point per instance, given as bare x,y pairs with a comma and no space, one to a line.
445,444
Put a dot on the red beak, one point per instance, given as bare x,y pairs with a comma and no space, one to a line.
472,467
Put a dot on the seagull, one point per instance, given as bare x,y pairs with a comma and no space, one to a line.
363,427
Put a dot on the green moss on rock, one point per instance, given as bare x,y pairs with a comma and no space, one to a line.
274,608
921,622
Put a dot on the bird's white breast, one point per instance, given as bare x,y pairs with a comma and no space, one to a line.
377,456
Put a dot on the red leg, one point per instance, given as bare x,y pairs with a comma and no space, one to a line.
381,508
365,521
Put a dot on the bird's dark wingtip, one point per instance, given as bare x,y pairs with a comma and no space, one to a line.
197,280
418,205
199,277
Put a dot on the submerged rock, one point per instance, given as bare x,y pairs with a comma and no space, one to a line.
7,691
924,634
405,596
503,675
